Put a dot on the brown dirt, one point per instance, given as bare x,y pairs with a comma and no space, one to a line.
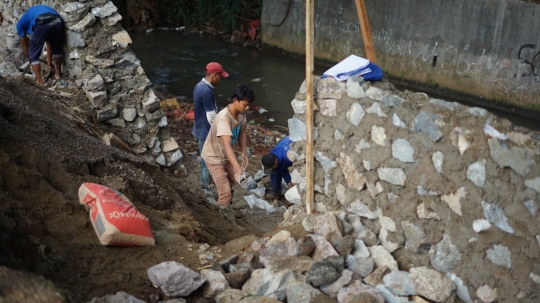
44,158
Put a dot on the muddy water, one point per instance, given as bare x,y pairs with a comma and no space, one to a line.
177,60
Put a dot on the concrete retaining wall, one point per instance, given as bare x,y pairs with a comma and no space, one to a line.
487,48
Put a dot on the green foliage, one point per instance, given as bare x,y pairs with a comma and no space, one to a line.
226,15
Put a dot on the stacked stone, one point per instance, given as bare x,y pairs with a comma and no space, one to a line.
98,56
430,178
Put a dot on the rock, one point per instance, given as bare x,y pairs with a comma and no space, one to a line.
392,198
172,157
327,107
389,246
486,294
415,236
403,151
500,255
333,288
162,121
376,110
392,101
477,111
362,145
360,249
367,166
399,283
298,264
531,206
269,282
345,245
152,103
477,173
338,135
378,135
119,297
297,130
260,203
292,195
519,159
259,300
376,277
128,60
74,40
8,68
249,183
386,222
329,89
231,296
111,20
426,213
394,176
326,163
398,122
422,192
437,158
444,255
117,122
301,292
360,266
388,296
535,278
453,200
481,225
122,38
354,179
216,283
94,84
426,122
495,215
355,114
354,89
323,248
84,24
357,289
101,63
431,284
174,279
105,11
374,190
169,145
329,227
71,7
383,258
374,93
138,123
447,105
360,209
533,184
518,138
459,139
461,289
107,112
299,107
129,114
236,279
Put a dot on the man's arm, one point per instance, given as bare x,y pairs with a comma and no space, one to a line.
209,103
24,45
227,143
242,140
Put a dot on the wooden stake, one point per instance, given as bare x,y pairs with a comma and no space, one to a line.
310,12
366,30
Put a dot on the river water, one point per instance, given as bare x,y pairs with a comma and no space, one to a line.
177,60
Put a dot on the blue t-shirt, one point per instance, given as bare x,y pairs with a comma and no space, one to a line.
203,101
280,151
28,20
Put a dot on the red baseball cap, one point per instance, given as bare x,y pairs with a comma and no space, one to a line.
216,68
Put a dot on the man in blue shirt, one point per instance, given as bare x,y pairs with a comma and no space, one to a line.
279,160
44,25
205,108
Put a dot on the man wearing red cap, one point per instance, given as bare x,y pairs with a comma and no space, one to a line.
205,108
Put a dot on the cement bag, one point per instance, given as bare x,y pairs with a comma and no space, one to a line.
115,219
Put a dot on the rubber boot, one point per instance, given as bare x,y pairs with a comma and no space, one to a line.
228,214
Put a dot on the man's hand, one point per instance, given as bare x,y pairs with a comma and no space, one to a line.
238,173
245,160
291,184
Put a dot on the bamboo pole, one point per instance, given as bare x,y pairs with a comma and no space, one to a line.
310,12
366,30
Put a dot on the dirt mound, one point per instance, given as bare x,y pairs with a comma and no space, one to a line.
45,155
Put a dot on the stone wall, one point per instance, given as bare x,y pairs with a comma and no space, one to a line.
434,183
99,60
485,48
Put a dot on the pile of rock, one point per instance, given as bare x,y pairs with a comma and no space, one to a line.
98,57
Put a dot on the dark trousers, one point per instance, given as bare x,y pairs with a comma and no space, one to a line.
275,179
52,32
